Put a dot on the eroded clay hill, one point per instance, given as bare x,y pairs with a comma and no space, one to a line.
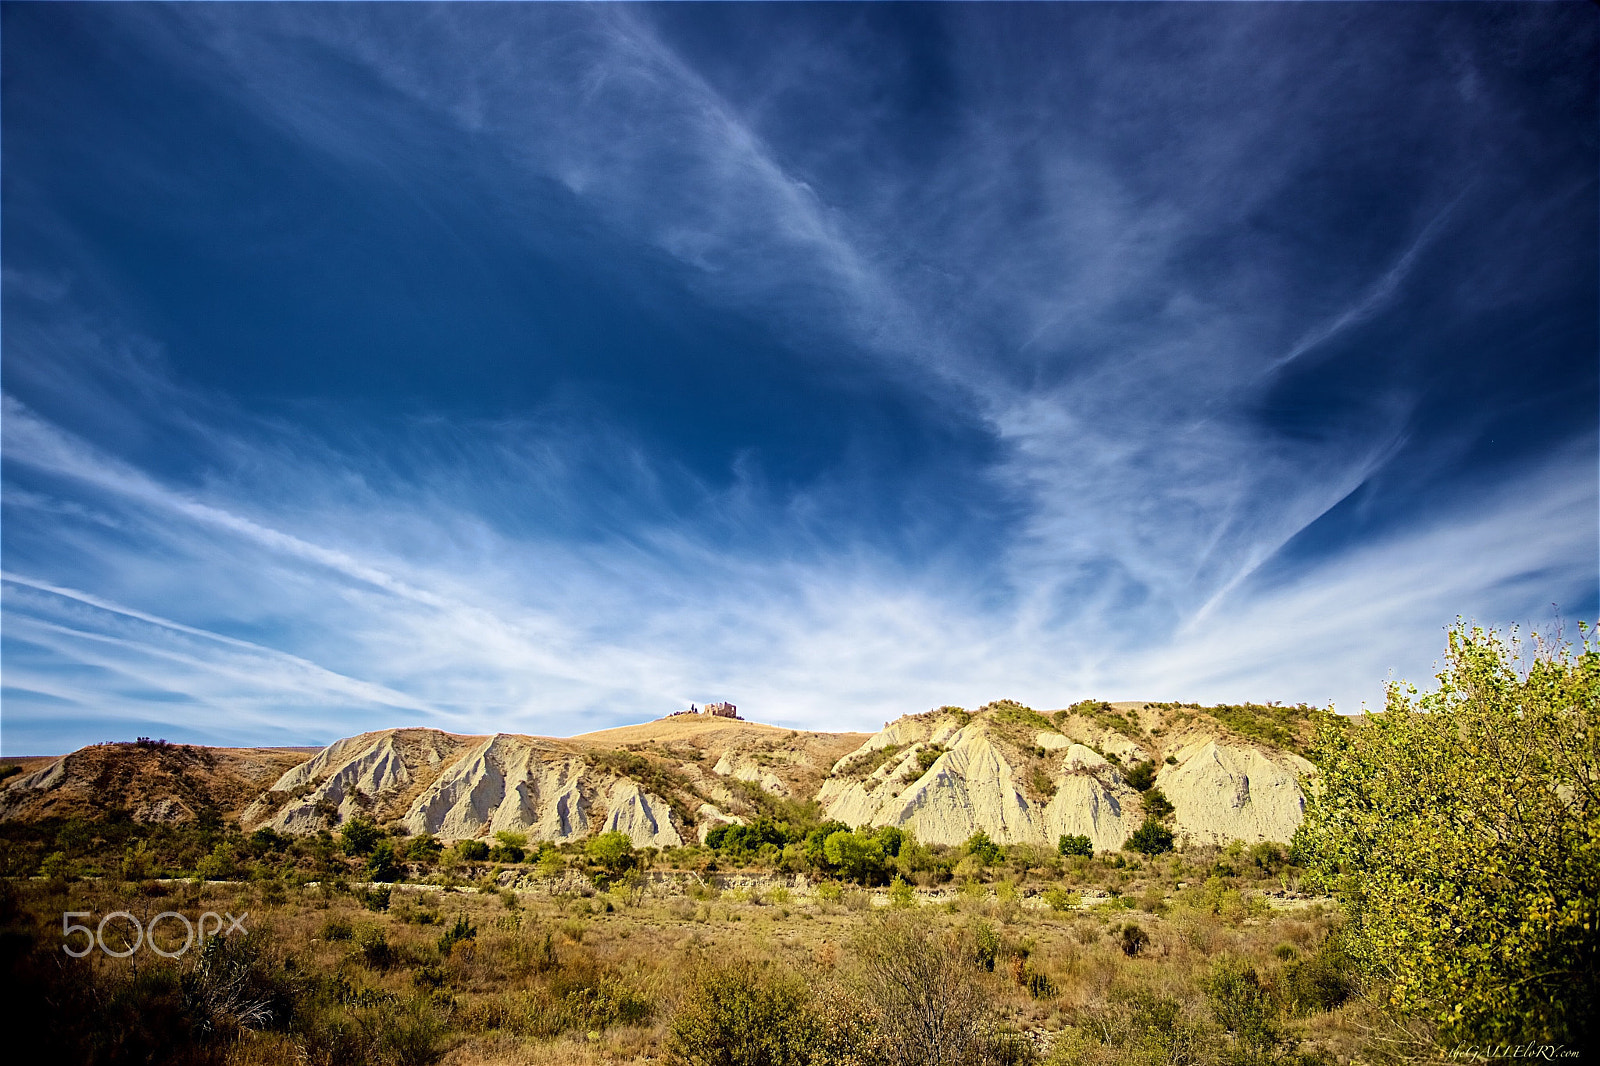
1026,777
153,782
1017,774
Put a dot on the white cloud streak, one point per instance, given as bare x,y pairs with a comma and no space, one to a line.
1151,504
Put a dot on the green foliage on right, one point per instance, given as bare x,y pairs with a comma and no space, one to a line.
1461,831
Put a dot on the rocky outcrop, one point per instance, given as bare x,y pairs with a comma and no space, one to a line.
465,787
518,784
1230,791
945,776
950,778
746,769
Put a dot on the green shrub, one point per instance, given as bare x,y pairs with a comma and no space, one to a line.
461,930
1318,982
1140,776
1134,939
381,864
337,929
1241,1003
1074,844
613,851
374,899
423,848
1157,806
743,1014
986,945
359,836
981,848
1058,899
375,949
1151,838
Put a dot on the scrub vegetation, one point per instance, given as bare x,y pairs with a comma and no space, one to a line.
599,958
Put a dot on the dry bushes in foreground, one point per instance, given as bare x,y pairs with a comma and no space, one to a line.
914,995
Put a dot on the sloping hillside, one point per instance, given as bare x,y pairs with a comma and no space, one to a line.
153,781
1016,774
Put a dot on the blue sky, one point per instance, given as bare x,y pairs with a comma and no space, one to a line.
544,368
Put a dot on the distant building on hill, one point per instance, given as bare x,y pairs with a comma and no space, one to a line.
719,710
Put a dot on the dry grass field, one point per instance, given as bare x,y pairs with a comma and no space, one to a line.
478,975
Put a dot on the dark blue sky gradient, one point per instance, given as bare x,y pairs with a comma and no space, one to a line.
542,367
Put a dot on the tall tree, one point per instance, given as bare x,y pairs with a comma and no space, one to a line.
1461,829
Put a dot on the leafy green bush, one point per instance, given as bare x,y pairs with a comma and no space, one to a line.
461,930
1156,805
382,864
374,899
1058,899
1151,838
613,851
359,836
1461,830
1074,844
1318,982
1140,776
980,847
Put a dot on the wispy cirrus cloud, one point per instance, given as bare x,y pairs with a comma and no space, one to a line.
1095,242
